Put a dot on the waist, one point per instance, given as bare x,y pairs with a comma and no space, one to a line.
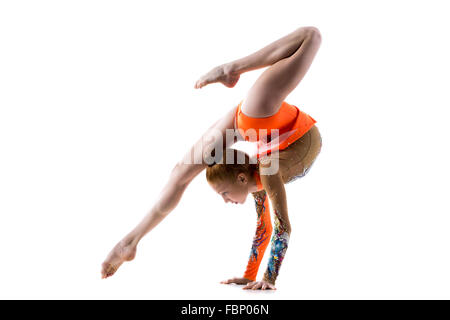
288,118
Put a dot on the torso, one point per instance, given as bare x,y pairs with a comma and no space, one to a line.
297,152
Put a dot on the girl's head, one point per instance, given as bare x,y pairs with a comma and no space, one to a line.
233,181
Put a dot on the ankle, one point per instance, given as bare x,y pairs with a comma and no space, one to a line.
230,68
130,241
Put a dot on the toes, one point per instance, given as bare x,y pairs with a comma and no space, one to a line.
108,270
200,82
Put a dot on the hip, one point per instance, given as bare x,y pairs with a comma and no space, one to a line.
296,160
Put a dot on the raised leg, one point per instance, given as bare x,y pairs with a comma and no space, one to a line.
291,57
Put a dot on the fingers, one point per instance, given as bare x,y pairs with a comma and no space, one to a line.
226,281
235,280
268,286
259,285
249,285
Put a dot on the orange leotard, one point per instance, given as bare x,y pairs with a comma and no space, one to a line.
291,122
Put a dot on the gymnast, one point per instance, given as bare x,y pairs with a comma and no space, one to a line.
286,141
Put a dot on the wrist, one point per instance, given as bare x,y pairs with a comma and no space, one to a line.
266,278
251,279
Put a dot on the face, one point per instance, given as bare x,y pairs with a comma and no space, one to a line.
233,192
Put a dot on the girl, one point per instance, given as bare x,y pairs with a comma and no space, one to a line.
297,146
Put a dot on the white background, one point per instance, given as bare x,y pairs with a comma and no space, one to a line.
97,103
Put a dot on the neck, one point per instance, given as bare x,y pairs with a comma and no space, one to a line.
256,182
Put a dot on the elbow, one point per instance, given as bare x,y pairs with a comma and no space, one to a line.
286,227
288,230
282,229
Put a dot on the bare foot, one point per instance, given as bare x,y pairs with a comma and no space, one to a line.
223,74
122,252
